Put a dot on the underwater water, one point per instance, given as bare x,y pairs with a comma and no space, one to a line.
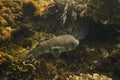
59,40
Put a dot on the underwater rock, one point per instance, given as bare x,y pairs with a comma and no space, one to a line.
56,45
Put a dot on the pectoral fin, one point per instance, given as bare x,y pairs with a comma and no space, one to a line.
57,47
56,51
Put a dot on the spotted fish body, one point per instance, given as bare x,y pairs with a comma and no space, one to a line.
56,45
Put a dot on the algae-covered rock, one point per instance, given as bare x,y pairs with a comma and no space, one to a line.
107,12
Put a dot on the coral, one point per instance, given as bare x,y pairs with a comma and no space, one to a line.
3,22
42,8
5,63
12,49
84,76
5,58
10,11
46,70
5,33
1,5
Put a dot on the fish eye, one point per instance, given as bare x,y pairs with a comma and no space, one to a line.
72,44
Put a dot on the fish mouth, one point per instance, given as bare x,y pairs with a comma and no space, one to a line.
76,42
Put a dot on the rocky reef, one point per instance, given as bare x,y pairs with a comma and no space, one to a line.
107,12
26,23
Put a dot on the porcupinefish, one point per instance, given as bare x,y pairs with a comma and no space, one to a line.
56,45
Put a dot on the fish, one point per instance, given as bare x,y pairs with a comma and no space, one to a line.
56,46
